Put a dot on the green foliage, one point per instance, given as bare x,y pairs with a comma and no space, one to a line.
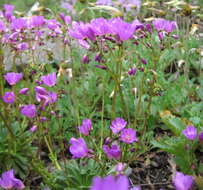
16,154
77,174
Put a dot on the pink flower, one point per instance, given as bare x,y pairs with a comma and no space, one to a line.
28,111
78,148
19,24
118,125
128,136
164,25
12,78
190,132
182,182
49,80
112,152
110,183
8,181
86,127
36,21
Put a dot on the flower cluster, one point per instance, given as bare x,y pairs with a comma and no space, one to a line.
23,35
42,95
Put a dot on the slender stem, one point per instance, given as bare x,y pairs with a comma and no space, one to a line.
140,92
53,157
102,121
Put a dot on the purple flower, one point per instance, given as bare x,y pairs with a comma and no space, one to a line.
24,91
85,59
8,8
33,128
100,26
40,90
2,26
43,119
65,19
148,28
112,152
201,137
78,148
161,35
118,125
18,24
49,80
190,132
98,57
82,31
110,183
128,136
101,67
12,78
36,21
22,46
121,29
86,127
28,110
8,181
53,25
52,97
164,25
182,182
144,61
9,97
45,96
8,11
132,71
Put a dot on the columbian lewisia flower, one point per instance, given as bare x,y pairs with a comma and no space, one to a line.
23,91
85,127
110,183
44,96
118,125
112,152
49,80
190,132
12,78
8,181
182,182
128,136
78,148
164,25
9,97
28,111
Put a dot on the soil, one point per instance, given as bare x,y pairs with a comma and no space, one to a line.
154,172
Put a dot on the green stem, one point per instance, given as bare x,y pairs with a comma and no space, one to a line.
53,157
102,121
